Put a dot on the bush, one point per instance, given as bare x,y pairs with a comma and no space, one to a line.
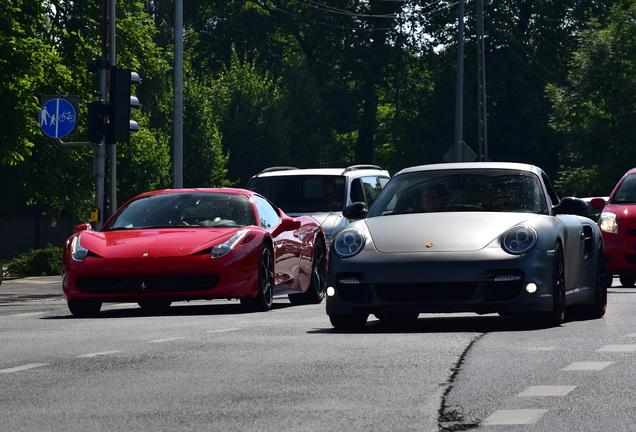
38,262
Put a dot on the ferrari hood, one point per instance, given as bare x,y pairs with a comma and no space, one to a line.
153,242
440,232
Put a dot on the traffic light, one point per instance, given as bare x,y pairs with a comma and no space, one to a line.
96,123
120,103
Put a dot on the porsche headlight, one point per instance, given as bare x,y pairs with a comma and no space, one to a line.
607,222
77,251
519,240
222,249
348,243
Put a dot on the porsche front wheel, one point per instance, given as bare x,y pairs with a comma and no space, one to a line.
348,322
598,308
265,296
84,308
556,317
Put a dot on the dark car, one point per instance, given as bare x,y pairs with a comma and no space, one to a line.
470,237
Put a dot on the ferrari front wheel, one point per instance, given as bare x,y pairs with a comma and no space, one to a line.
84,308
627,280
265,296
318,284
155,306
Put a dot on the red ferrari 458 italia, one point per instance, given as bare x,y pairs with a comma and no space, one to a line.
184,244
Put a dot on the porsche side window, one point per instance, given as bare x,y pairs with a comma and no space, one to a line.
372,187
267,214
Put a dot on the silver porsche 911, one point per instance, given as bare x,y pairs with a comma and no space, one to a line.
482,237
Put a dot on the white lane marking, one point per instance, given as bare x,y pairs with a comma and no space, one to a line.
534,391
97,354
23,367
165,340
27,314
224,330
587,366
618,348
514,417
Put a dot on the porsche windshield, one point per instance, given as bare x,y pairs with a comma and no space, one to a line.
197,209
492,190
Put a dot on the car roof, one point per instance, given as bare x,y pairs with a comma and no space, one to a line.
473,165
348,171
236,191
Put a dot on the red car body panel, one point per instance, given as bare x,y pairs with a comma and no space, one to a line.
175,263
620,247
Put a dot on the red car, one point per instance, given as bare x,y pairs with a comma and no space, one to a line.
185,244
618,226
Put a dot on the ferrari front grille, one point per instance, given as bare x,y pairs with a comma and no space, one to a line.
147,284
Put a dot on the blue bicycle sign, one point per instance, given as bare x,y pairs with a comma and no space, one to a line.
57,118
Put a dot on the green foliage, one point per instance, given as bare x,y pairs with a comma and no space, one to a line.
286,83
37,262
594,109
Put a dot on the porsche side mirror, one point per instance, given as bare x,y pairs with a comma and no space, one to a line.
82,227
573,206
597,203
357,210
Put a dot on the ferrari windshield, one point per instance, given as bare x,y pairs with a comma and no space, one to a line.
187,209
303,194
492,190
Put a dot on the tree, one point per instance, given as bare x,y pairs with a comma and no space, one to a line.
594,110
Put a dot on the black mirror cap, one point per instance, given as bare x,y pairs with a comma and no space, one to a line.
357,210
573,206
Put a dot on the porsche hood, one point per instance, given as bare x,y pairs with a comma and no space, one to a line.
159,243
441,232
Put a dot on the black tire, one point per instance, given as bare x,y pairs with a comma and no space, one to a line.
155,306
318,284
597,310
265,297
556,317
628,280
402,319
609,280
348,322
84,308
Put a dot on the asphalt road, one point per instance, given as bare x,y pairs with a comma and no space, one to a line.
207,366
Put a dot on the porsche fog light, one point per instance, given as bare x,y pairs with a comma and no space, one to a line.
331,291
222,249
607,222
519,240
348,243
77,251
531,288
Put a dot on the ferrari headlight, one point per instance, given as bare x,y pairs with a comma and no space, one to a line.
519,240
607,222
77,251
222,249
348,243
